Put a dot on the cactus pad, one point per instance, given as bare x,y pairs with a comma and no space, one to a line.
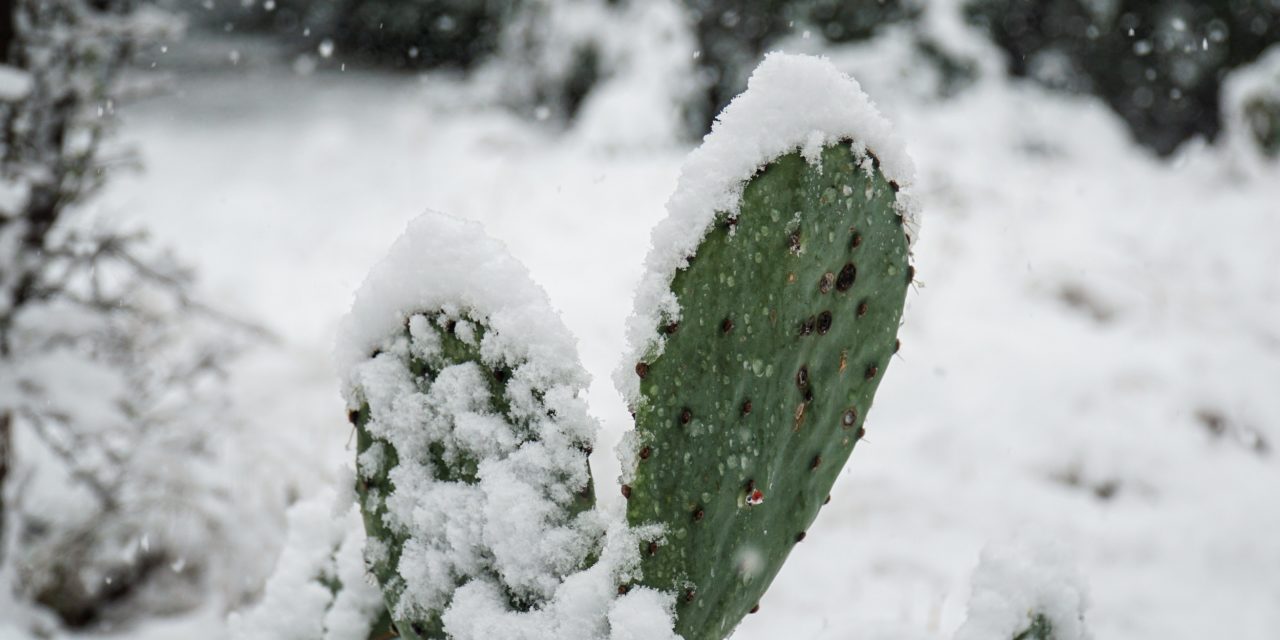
789,312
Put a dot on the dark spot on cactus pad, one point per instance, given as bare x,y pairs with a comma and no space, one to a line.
501,375
623,589
824,323
800,536
726,326
418,628
855,241
626,491
450,326
897,345
827,281
698,515
754,609
827,500
847,275
642,370
653,548
686,415
376,353
586,448
893,185
862,308
860,433
746,407
672,328
850,416
808,394
817,462
793,241
645,453
872,371
689,595
807,325
802,377
911,274
353,416
730,223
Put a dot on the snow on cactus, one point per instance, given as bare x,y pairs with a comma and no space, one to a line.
763,327
766,321
473,441
1028,589
320,589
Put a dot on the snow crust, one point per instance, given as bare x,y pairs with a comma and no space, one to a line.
511,532
1031,576
792,102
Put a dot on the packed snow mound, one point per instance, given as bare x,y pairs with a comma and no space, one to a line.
792,103
1015,583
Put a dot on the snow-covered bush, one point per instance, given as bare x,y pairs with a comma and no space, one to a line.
732,35
114,429
1159,65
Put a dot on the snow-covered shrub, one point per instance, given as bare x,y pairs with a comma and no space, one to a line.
732,35
115,429
1159,65
610,60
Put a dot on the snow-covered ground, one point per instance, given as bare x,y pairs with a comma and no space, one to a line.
1093,351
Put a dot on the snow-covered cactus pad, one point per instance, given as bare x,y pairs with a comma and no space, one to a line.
1028,589
767,320
472,438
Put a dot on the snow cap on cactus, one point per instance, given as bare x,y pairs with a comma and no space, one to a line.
792,102
446,263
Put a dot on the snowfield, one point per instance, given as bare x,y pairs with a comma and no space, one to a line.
1092,353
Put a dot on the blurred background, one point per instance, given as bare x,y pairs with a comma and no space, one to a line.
190,191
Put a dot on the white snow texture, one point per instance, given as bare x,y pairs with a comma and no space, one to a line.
510,533
326,537
1031,576
792,103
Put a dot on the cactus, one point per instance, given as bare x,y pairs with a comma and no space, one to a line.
789,316
760,350
768,342
472,443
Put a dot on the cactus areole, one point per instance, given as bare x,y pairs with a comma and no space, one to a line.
788,311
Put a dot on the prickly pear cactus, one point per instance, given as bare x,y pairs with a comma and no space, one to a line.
790,312
472,441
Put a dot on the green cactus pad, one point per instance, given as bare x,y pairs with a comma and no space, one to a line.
789,319
430,345
1040,629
